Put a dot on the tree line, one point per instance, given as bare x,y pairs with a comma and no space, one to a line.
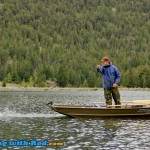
63,41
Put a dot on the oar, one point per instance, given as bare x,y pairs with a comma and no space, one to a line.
98,102
137,104
126,102
142,101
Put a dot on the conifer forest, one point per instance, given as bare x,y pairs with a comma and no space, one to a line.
63,41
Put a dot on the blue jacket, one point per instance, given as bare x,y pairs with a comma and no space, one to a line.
110,75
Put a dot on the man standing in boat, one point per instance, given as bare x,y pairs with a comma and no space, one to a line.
111,78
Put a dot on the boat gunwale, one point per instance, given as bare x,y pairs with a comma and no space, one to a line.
92,107
107,115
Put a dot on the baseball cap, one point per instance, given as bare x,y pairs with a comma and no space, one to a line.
105,59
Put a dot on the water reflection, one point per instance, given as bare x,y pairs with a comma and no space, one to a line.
25,116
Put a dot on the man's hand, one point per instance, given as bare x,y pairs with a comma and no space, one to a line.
98,67
115,85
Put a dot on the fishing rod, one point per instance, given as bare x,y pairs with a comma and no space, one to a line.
83,57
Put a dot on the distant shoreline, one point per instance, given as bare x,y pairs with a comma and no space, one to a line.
19,88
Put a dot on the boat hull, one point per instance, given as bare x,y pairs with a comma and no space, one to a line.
93,112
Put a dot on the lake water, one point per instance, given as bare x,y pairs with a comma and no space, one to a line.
24,116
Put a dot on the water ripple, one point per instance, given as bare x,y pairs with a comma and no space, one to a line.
24,115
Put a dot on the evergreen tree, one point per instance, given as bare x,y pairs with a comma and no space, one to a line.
64,40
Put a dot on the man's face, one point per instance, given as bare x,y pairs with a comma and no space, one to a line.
105,63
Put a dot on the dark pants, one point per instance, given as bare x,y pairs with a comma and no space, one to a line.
113,92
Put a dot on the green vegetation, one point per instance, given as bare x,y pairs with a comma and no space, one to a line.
63,41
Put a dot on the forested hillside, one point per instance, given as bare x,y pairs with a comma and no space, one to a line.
63,41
